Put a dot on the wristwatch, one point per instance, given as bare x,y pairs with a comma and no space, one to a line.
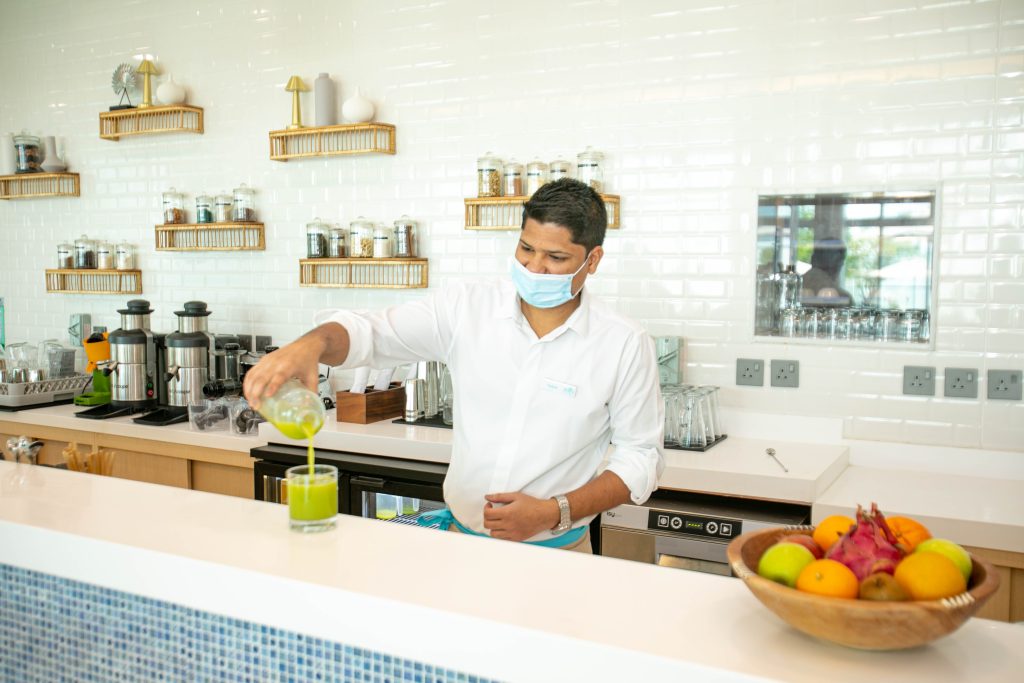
564,519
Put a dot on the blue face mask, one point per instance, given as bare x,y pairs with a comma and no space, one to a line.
543,290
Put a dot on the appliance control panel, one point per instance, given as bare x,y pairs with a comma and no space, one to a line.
694,525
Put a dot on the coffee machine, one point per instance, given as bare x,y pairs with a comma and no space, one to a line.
133,365
188,365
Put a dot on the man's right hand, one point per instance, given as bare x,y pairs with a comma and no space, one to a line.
299,359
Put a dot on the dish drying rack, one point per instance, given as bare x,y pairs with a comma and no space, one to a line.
44,391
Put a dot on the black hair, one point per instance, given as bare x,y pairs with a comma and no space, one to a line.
572,205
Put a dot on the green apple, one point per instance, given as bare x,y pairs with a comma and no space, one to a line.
960,557
783,562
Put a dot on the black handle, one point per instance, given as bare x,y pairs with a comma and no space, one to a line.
368,482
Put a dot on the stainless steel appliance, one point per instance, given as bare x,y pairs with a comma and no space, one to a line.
133,366
690,530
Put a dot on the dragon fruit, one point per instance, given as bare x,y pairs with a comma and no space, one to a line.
868,547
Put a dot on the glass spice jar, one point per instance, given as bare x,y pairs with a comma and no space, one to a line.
405,237
28,154
336,238
316,239
124,256
488,176
360,238
244,204
104,256
588,169
174,207
222,208
85,252
65,259
382,242
558,169
536,176
204,209
512,179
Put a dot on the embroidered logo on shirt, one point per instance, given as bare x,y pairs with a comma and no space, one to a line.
559,387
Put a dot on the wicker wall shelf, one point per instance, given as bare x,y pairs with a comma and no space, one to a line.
29,185
176,118
326,141
506,213
210,237
365,273
71,281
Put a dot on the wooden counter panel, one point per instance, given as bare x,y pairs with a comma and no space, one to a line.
230,481
155,469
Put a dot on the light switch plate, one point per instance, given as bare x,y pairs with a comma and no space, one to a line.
961,383
918,380
786,373
750,372
1004,384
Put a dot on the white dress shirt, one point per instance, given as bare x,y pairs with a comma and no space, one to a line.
531,415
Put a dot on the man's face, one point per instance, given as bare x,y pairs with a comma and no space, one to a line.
547,248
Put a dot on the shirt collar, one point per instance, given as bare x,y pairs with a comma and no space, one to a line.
578,321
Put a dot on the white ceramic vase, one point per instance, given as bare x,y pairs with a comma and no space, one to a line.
357,109
8,157
52,163
170,92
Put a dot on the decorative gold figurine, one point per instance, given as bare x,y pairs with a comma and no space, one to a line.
295,86
148,70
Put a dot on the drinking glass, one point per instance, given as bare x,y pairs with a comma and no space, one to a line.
828,327
886,325
847,325
447,397
387,506
706,414
312,498
692,421
671,396
791,322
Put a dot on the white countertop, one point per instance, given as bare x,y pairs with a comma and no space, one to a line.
482,603
985,513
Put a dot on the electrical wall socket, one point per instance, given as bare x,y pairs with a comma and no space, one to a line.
918,380
961,383
1004,384
786,373
749,372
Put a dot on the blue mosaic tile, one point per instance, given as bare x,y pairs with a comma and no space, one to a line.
57,630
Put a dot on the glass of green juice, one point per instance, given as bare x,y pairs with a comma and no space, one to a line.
312,498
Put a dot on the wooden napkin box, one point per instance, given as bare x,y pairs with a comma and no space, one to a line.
373,406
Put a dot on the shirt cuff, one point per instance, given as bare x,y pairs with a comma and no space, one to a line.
638,470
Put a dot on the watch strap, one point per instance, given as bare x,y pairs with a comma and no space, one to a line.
564,516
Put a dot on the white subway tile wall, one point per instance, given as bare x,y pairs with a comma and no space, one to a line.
698,105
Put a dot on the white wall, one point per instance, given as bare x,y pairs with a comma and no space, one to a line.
698,105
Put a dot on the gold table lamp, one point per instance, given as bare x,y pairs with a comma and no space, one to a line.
295,86
148,70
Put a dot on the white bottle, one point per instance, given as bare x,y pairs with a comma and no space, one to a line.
8,157
326,107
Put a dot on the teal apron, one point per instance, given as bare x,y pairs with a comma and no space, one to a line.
442,519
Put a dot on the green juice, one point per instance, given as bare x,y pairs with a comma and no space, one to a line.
313,500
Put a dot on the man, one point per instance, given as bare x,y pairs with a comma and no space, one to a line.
545,376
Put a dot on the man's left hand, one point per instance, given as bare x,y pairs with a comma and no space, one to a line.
519,516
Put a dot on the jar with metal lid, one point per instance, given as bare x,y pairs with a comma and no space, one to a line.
85,252
336,238
589,169
405,237
204,209
536,176
512,179
316,239
382,242
222,208
488,176
360,238
104,256
558,169
28,154
174,207
64,256
124,256
244,204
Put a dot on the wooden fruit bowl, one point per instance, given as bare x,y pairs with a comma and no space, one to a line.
863,624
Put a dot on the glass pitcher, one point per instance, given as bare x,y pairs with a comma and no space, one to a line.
297,412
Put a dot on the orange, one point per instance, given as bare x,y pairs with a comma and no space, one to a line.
909,532
929,576
828,577
830,529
